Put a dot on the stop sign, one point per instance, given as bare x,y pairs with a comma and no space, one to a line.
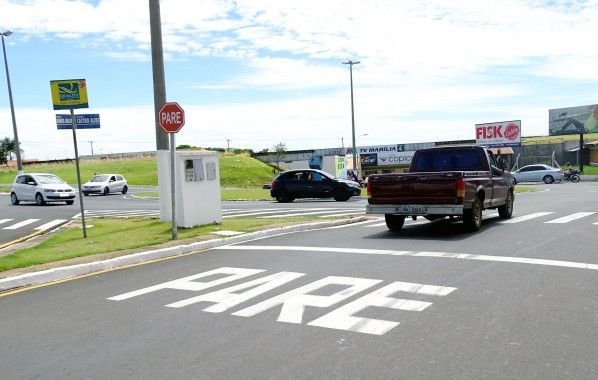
171,117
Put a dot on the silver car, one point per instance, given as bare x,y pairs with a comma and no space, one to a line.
538,173
105,184
41,188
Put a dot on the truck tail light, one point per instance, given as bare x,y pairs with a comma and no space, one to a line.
460,188
367,186
273,183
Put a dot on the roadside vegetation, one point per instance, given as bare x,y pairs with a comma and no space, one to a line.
114,237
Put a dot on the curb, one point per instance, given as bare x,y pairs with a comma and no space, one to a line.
64,273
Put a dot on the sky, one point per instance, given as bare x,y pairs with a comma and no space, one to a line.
251,74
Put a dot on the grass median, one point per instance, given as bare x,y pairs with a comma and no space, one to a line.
114,237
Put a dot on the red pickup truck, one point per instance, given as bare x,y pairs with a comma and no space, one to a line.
449,181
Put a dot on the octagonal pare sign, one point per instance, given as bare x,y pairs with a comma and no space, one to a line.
171,117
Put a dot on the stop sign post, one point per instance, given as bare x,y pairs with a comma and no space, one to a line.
171,117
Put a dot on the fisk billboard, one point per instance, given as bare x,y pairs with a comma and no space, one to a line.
504,133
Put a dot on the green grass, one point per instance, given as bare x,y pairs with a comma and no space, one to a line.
235,171
111,235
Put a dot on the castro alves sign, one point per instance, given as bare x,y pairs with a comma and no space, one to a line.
505,133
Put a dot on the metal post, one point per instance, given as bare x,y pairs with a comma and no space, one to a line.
172,184
351,63
74,123
12,107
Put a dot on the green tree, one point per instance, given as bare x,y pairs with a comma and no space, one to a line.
8,146
2,155
280,150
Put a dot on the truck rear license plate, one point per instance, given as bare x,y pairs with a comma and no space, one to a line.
411,209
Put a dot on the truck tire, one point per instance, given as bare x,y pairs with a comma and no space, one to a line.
506,211
394,222
472,218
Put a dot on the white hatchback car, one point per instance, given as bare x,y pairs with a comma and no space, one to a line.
41,188
105,184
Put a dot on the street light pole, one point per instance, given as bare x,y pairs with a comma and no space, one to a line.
351,63
12,106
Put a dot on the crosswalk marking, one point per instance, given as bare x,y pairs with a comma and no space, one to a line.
371,222
51,224
525,217
21,224
569,218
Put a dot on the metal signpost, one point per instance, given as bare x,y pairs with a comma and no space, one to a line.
70,94
171,118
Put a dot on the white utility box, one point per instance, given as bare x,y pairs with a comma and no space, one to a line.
197,188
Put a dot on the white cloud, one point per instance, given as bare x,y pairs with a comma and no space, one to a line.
430,69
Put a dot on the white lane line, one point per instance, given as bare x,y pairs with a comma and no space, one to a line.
5,220
569,218
21,224
251,213
320,211
344,213
526,217
443,255
50,224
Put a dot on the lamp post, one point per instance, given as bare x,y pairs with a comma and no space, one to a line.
12,107
351,63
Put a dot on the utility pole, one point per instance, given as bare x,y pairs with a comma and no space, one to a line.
12,107
91,142
351,63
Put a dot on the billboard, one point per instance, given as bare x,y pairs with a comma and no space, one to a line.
573,120
503,133
384,155
69,94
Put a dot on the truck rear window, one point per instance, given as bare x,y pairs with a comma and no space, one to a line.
447,160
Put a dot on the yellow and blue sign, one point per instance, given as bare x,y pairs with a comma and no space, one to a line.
69,94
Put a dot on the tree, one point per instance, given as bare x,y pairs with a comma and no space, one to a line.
8,146
280,150
2,155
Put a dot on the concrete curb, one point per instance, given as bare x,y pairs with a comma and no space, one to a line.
63,273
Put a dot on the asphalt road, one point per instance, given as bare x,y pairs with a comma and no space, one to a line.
515,300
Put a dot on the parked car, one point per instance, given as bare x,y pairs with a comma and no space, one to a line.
538,173
41,188
105,184
312,183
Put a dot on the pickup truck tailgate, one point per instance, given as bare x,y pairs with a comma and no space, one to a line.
414,188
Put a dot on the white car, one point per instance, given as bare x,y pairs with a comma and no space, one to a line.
41,188
538,173
105,184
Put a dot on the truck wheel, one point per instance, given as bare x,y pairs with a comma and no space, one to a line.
472,218
394,222
505,211
340,195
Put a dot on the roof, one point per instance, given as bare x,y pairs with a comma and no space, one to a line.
592,144
503,150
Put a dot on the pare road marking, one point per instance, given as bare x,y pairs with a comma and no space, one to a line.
294,302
